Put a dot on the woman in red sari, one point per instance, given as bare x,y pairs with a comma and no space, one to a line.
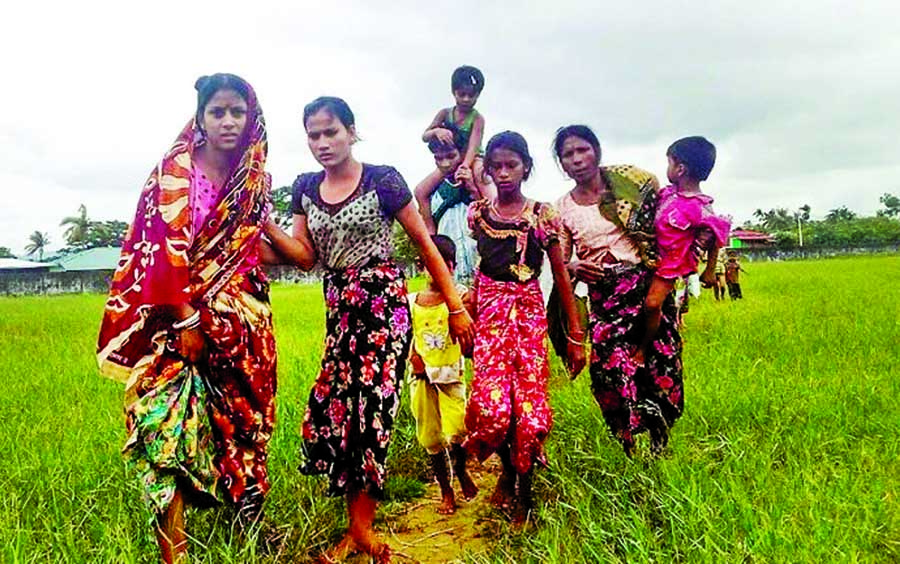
188,324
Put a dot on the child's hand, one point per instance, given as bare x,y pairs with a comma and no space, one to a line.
463,173
443,135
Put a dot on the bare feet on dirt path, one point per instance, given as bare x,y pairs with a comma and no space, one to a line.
420,534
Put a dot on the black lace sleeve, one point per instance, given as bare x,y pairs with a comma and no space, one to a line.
297,191
393,193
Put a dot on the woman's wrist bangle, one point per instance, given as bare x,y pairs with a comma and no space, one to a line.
189,322
458,311
579,342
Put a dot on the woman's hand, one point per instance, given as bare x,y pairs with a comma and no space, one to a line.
462,330
191,344
416,362
584,271
576,359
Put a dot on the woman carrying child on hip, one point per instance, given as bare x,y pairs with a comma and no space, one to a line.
437,389
508,412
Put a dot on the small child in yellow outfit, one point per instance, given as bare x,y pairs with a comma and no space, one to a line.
437,389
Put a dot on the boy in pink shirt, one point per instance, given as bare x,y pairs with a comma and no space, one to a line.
684,219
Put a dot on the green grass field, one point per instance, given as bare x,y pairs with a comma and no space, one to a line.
788,450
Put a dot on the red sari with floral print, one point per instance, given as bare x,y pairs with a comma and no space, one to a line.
203,428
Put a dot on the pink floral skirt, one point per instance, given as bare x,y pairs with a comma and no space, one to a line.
633,398
509,390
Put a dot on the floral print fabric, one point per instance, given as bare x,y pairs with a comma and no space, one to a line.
633,398
352,405
205,428
509,388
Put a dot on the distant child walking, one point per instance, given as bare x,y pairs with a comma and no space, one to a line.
437,389
462,121
508,412
684,215
719,287
732,276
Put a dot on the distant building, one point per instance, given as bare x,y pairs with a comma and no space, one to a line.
100,258
12,265
748,240
84,271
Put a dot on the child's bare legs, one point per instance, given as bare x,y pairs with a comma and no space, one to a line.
170,532
442,475
505,491
458,455
656,296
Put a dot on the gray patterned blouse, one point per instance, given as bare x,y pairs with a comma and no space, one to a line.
355,231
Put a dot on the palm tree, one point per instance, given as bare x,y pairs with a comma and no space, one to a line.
842,213
78,226
760,215
39,242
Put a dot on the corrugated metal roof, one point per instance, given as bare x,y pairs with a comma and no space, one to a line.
101,258
17,264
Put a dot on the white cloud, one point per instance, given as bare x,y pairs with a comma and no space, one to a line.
802,98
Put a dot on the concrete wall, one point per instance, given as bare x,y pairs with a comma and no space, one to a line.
26,283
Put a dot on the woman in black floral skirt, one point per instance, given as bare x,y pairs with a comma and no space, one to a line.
342,220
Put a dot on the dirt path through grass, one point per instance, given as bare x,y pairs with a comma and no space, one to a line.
420,534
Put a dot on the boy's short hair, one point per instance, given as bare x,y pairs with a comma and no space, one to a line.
467,76
435,144
696,153
447,248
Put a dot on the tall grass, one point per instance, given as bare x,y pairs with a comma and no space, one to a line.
787,451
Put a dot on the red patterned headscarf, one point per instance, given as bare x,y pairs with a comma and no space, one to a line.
163,262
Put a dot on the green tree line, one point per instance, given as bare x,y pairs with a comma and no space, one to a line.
840,228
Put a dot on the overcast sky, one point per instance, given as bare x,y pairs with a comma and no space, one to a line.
802,99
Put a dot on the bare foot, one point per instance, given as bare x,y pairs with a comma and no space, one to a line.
367,541
469,489
504,492
448,504
628,447
521,515
341,551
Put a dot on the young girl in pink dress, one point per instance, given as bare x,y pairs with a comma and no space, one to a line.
684,220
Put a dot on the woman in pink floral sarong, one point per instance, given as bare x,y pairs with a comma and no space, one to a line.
508,412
